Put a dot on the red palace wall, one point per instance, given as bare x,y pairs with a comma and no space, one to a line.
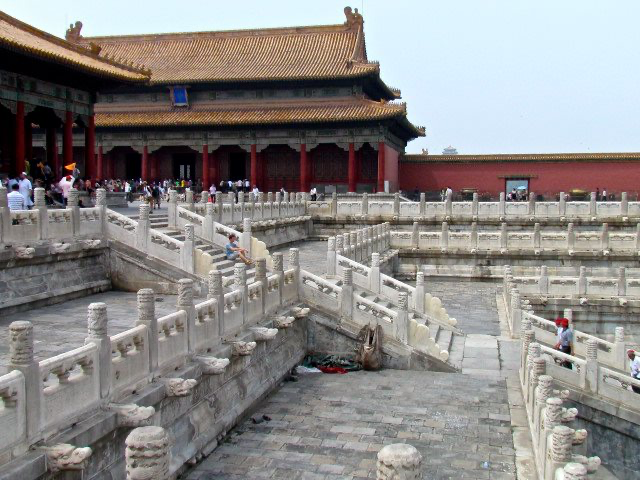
546,178
391,167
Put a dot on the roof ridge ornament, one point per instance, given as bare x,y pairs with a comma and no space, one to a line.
354,18
73,32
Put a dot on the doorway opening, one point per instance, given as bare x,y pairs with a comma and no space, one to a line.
184,166
132,165
237,166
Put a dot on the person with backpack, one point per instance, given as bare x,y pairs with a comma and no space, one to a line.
155,196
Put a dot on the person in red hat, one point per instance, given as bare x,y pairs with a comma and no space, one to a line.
565,336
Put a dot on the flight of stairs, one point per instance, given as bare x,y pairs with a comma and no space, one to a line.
446,339
160,221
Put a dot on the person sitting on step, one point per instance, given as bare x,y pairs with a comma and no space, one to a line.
234,252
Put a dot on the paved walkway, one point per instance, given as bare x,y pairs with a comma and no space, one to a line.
332,426
313,255
63,327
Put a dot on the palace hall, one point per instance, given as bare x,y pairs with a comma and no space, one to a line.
48,88
284,107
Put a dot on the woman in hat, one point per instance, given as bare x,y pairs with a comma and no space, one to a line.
565,336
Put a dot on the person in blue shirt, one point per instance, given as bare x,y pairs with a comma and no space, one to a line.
565,337
233,251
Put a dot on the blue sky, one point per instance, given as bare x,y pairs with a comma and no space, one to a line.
486,76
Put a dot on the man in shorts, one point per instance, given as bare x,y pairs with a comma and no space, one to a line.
233,251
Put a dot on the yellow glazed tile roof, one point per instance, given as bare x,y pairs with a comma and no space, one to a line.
23,38
297,53
346,110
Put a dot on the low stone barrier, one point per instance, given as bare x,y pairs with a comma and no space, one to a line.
370,207
559,450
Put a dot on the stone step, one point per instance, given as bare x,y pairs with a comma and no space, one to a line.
443,339
456,351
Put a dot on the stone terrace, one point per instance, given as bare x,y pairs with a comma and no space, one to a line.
331,427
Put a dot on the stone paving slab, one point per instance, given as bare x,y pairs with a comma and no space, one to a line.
332,426
63,327
313,255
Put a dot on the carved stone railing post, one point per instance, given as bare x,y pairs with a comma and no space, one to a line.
542,393
571,238
294,262
473,237
219,209
334,204
418,299
582,280
562,204
624,204
604,237
72,204
147,317
339,245
415,235
353,242
622,281
209,220
593,211
5,216
185,302
537,240
21,358
396,204
638,237
215,291
620,348
358,253
187,258
501,206
148,454
558,448
364,208
260,275
40,206
532,204
331,256
241,202
374,274
188,197
444,237
504,237
98,335
591,370
543,283
240,285
245,236
516,312
101,203
423,204
399,461
204,196
346,301
172,208
278,268
142,228
448,205
402,318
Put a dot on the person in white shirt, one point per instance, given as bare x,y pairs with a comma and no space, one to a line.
15,199
212,189
256,193
247,186
25,189
634,368
604,194
314,194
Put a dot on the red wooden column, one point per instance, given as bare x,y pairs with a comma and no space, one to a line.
90,149
20,166
100,165
380,166
145,164
213,161
67,139
206,179
28,142
304,168
352,167
254,165
52,152
153,167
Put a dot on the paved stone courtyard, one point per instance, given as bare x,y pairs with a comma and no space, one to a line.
332,426
63,327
